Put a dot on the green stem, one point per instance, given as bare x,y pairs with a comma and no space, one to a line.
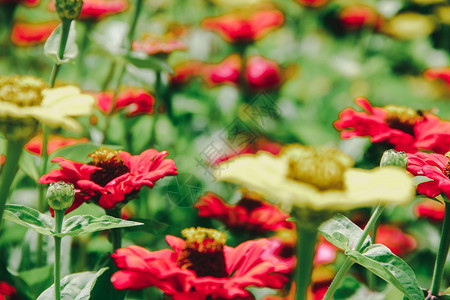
306,249
442,252
348,262
116,233
41,193
13,151
59,218
371,279
158,95
65,29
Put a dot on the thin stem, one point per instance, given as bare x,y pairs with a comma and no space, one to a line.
13,151
306,249
65,29
158,95
116,233
59,218
442,252
41,193
348,262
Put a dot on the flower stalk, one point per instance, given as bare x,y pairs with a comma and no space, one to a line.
65,29
442,252
306,249
116,233
59,218
14,149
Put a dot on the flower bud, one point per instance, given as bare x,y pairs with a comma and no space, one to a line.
68,9
60,195
393,158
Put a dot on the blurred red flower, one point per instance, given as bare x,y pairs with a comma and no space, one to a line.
98,9
359,16
201,267
135,101
442,73
152,45
262,74
30,34
185,71
26,2
6,290
434,166
401,127
55,142
113,176
243,26
431,209
250,213
2,159
227,71
260,144
312,3
392,237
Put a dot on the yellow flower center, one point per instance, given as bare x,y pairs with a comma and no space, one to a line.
447,167
111,165
321,167
402,118
21,90
203,252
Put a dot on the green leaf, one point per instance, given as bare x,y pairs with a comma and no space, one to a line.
38,279
150,225
30,218
76,286
342,232
144,61
382,262
28,165
77,225
51,47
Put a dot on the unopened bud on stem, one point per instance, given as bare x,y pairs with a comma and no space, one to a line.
68,9
60,195
393,158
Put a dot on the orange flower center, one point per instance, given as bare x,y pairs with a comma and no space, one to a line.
112,166
402,118
21,90
447,168
203,252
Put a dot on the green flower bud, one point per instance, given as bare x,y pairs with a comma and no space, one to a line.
60,195
68,9
393,158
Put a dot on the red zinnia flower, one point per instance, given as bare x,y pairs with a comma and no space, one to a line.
2,159
152,45
442,73
6,290
242,27
98,9
135,101
30,34
430,209
227,71
400,243
359,16
112,176
250,213
401,127
201,267
185,71
55,142
262,74
434,166
26,2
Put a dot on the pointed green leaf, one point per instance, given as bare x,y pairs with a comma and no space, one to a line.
28,165
77,225
142,60
382,262
342,232
76,286
51,47
30,218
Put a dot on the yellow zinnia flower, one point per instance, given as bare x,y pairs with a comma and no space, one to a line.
317,179
25,102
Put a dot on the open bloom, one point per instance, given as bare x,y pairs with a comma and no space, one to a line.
135,101
112,177
392,237
401,127
316,179
25,102
359,16
152,45
434,166
30,34
201,267
250,213
242,26
227,71
55,142
431,209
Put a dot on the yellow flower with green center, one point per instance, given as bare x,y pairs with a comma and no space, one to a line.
317,179
25,102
